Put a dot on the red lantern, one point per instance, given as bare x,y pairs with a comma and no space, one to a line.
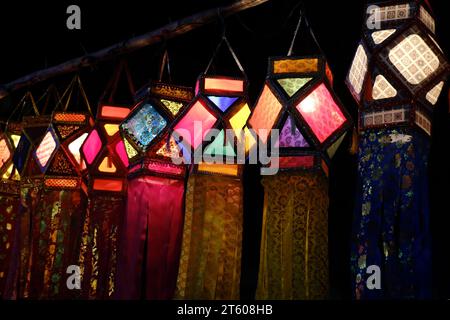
155,194
104,154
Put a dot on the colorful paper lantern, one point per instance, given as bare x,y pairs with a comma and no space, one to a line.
106,159
9,201
396,78
298,100
212,234
154,215
61,203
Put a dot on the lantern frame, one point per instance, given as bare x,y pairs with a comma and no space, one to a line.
316,149
146,159
417,110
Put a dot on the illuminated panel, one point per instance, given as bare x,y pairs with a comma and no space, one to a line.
296,162
115,112
69,117
379,36
121,152
108,185
414,59
239,120
389,13
45,149
92,146
321,112
131,152
265,114
290,136
169,151
427,19
295,65
382,117
433,95
218,147
75,145
224,84
382,89
107,165
358,69
172,106
423,122
144,125
250,140
61,183
292,85
5,154
223,103
15,138
227,169
111,129
198,117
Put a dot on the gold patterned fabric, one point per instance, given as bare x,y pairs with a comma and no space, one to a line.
212,239
294,240
99,245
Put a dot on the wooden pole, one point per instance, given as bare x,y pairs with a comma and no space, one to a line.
168,31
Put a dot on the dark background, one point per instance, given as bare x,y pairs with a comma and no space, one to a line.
34,36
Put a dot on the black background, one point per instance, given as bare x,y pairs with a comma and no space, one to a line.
34,36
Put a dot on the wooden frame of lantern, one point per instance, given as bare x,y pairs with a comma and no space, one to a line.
291,81
226,100
108,146
388,93
166,102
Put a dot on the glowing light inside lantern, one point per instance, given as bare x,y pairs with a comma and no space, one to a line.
5,154
382,89
358,70
108,185
111,129
107,165
173,106
15,138
74,147
92,146
131,152
46,149
121,152
197,117
115,112
224,85
321,112
414,59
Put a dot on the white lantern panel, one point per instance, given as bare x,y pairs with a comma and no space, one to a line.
382,89
433,95
358,70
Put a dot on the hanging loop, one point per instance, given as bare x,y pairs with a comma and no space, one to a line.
233,54
49,94
165,65
22,105
302,18
111,87
76,81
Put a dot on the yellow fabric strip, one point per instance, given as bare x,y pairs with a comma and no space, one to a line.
294,242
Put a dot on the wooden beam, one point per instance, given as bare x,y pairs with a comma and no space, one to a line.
168,31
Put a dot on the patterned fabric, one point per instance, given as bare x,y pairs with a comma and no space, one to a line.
99,245
294,240
295,65
56,226
358,69
210,263
391,221
151,239
290,135
292,85
9,207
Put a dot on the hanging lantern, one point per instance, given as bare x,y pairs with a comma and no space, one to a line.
298,100
214,196
105,156
35,122
396,78
9,199
155,194
60,211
